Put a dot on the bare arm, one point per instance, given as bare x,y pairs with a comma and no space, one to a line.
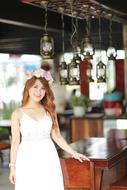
15,140
59,140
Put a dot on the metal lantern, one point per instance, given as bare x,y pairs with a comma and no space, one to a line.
77,48
77,43
73,73
47,47
63,72
87,48
111,52
111,74
101,67
101,72
77,58
89,72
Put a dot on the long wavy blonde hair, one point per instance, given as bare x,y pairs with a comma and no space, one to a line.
48,99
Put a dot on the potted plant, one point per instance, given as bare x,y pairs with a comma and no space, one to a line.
79,104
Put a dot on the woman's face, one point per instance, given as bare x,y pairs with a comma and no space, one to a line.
37,91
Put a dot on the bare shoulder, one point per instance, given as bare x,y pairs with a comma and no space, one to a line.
16,113
15,121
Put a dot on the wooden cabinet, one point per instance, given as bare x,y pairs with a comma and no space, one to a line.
85,127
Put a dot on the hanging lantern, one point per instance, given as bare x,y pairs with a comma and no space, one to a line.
73,73
101,67
74,65
111,52
101,72
77,58
63,68
46,42
111,74
77,44
89,72
78,48
111,68
47,47
86,44
63,72
87,48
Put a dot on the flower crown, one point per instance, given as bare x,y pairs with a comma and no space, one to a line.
40,73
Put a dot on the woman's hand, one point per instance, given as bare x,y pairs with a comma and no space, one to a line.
12,178
79,157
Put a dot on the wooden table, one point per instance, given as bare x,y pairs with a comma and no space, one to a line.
109,157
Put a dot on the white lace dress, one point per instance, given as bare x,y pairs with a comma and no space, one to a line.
37,164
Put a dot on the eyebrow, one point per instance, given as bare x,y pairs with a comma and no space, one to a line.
38,85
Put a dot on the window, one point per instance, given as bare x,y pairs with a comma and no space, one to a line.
12,76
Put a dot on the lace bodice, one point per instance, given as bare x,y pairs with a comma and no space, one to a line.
35,130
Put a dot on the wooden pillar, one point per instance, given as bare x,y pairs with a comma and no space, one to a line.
84,85
120,79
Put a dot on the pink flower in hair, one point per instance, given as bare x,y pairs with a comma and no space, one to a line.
47,75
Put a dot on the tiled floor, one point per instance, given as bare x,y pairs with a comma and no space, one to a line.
4,182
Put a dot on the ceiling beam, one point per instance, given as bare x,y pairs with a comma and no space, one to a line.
27,25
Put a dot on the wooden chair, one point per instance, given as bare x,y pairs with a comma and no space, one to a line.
78,175
121,184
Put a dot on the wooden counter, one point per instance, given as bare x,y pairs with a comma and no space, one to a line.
109,157
84,127
95,125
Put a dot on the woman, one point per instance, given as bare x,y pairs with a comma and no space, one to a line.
34,162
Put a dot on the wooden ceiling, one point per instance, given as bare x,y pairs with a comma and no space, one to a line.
22,24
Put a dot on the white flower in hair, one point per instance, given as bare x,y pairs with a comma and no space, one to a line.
41,73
